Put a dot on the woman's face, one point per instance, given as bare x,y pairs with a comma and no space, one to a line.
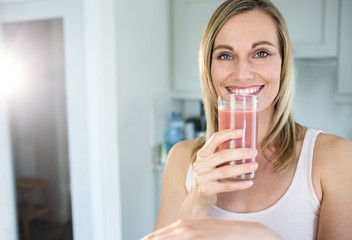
246,57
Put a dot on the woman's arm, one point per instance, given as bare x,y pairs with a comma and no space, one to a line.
208,228
333,163
174,190
176,203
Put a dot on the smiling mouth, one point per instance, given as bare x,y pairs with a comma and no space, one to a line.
245,90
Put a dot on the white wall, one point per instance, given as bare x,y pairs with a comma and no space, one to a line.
314,104
102,118
143,70
8,226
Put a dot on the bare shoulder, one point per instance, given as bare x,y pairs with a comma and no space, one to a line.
333,158
173,182
179,156
333,148
333,166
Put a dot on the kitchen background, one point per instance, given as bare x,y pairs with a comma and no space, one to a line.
106,76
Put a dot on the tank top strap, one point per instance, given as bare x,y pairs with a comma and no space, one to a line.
307,153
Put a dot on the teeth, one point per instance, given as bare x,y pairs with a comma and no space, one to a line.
245,91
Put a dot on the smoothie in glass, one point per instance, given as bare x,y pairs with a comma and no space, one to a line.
239,112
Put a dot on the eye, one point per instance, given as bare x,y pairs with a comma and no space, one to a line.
261,54
225,56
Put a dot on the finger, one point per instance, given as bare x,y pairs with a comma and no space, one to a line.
176,234
216,139
221,157
223,172
174,231
227,171
160,231
220,187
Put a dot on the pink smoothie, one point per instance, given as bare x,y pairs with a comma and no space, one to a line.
246,120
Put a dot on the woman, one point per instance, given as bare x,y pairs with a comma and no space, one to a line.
302,187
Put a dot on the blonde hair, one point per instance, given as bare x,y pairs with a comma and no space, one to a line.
282,136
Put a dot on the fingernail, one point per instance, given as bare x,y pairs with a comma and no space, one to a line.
239,131
247,183
252,152
253,165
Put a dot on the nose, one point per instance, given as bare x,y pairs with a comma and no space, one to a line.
242,71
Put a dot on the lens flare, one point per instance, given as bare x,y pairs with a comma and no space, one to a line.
11,75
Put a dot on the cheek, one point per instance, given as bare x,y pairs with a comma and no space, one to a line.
218,76
215,75
276,79
273,76
220,72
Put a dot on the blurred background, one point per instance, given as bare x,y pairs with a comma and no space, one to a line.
93,94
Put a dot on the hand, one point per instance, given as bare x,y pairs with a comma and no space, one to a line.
208,228
208,175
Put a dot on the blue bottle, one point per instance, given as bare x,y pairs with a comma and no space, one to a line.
174,131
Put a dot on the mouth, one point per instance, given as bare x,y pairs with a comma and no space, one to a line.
255,90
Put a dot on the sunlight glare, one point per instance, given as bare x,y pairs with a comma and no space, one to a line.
11,75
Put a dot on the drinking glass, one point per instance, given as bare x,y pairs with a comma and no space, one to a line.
239,111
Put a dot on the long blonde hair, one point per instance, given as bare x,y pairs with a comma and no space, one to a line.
282,136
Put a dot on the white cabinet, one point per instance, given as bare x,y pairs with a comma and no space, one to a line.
344,76
189,19
313,27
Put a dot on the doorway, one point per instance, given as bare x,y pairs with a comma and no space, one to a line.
38,124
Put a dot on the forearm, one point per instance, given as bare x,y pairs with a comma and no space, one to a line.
247,230
260,231
205,228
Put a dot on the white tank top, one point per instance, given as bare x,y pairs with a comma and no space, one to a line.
295,215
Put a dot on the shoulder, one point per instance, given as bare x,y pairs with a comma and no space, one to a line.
174,181
333,159
180,153
179,157
333,164
333,148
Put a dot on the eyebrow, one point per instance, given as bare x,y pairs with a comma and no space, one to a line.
223,46
262,43
253,45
